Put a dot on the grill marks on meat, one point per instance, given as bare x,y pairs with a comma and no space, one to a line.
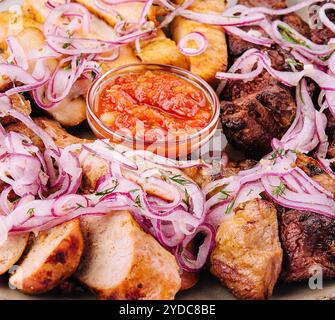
255,112
308,239
247,256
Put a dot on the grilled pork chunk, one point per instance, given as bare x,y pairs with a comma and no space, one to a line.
247,257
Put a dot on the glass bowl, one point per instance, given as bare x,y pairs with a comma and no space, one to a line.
174,148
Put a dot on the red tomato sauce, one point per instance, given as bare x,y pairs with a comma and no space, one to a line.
158,102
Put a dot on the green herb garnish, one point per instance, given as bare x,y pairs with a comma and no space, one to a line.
93,75
225,193
31,212
66,45
289,36
138,201
187,198
230,206
325,58
179,179
279,190
250,192
279,152
107,191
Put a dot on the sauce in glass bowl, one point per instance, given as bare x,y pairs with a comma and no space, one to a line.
160,108
158,102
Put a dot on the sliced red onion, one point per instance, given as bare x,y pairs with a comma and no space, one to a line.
154,158
325,164
186,258
5,206
241,76
281,12
17,74
106,151
198,38
324,18
299,201
306,45
249,36
17,53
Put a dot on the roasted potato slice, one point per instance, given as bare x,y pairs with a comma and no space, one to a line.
214,59
123,262
159,49
53,256
162,50
131,10
12,250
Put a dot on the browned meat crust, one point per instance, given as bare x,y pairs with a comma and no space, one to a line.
312,168
298,24
20,104
259,111
308,239
323,35
236,45
331,134
247,257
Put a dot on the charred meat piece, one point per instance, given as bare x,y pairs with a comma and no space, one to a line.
321,35
313,169
331,134
294,21
236,45
259,111
308,240
247,257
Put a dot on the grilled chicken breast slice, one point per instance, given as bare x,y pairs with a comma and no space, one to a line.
54,256
123,262
247,256
12,250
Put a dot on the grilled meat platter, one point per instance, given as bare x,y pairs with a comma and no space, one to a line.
112,179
